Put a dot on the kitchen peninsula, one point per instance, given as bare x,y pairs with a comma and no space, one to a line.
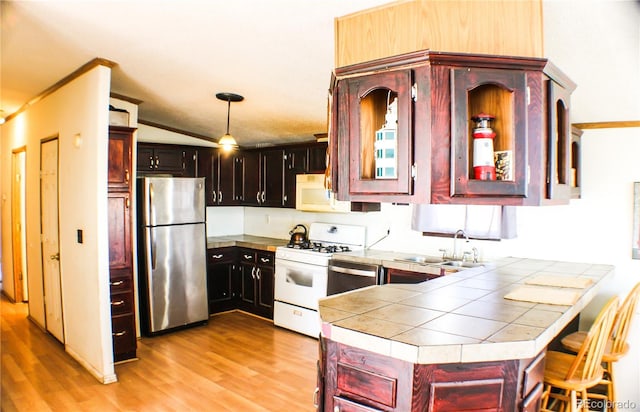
451,343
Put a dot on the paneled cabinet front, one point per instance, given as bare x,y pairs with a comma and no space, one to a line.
119,210
223,173
263,178
257,277
173,160
223,283
375,135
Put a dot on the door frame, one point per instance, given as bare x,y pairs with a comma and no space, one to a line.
18,223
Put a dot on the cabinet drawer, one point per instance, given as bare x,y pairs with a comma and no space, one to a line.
368,385
221,255
247,256
120,284
344,405
533,374
265,259
121,303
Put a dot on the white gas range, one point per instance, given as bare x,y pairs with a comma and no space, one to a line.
301,274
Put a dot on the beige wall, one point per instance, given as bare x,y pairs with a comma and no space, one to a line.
80,107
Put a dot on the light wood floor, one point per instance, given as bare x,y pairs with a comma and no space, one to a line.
235,363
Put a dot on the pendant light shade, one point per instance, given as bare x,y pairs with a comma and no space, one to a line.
227,142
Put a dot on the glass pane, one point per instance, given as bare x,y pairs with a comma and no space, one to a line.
378,135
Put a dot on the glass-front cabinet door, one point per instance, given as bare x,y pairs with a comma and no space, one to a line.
380,133
489,133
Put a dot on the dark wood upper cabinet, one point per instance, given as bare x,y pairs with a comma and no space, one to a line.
175,160
119,175
432,158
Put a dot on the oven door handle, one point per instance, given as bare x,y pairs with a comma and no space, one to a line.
357,272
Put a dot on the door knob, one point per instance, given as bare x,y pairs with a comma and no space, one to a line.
56,256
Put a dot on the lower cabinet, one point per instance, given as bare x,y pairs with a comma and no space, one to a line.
241,278
354,379
222,279
257,278
123,321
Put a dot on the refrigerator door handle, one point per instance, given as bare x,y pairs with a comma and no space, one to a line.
150,205
152,249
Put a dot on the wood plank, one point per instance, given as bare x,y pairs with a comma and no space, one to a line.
236,362
607,125
501,27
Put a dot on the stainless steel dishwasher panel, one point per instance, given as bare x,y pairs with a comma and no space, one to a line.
344,276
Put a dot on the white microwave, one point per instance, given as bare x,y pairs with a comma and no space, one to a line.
312,196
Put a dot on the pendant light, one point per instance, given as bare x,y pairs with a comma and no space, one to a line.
227,142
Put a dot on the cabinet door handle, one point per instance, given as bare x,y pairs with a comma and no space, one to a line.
217,256
117,303
315,397
265,260
263,196
126,175
220,196
258,273
151,162
127,203
214,194
258,197
247,256
253,273
157,161
118,334
117,283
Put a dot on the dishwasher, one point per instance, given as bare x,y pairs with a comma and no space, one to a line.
344,276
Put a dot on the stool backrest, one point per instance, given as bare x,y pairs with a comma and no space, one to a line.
622,322
588,359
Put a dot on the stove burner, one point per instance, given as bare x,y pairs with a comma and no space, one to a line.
303,245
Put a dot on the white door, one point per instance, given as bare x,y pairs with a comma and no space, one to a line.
50,246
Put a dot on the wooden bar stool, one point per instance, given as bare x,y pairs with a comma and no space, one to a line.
575,373
617,345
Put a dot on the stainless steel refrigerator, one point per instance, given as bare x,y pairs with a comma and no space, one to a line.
171,253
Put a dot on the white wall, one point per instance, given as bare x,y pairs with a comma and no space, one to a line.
80,107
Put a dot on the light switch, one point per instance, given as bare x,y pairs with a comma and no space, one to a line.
79,235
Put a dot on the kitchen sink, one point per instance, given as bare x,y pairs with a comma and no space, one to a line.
421,260
461,264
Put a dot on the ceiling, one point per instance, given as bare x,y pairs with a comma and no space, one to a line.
174,56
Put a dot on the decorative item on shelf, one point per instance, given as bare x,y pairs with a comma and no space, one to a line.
118,117
227,142
483,158
504,165
386,144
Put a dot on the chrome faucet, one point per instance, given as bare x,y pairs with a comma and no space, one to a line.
455,241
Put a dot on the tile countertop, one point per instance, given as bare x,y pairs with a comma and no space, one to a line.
460,317
252,242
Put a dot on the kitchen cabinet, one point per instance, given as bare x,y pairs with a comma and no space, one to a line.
223,173
119,212
355,379
257,277
263,177
223,283
119,163
175,160
374,151
429,155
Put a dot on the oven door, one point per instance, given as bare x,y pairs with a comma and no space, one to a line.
300,283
